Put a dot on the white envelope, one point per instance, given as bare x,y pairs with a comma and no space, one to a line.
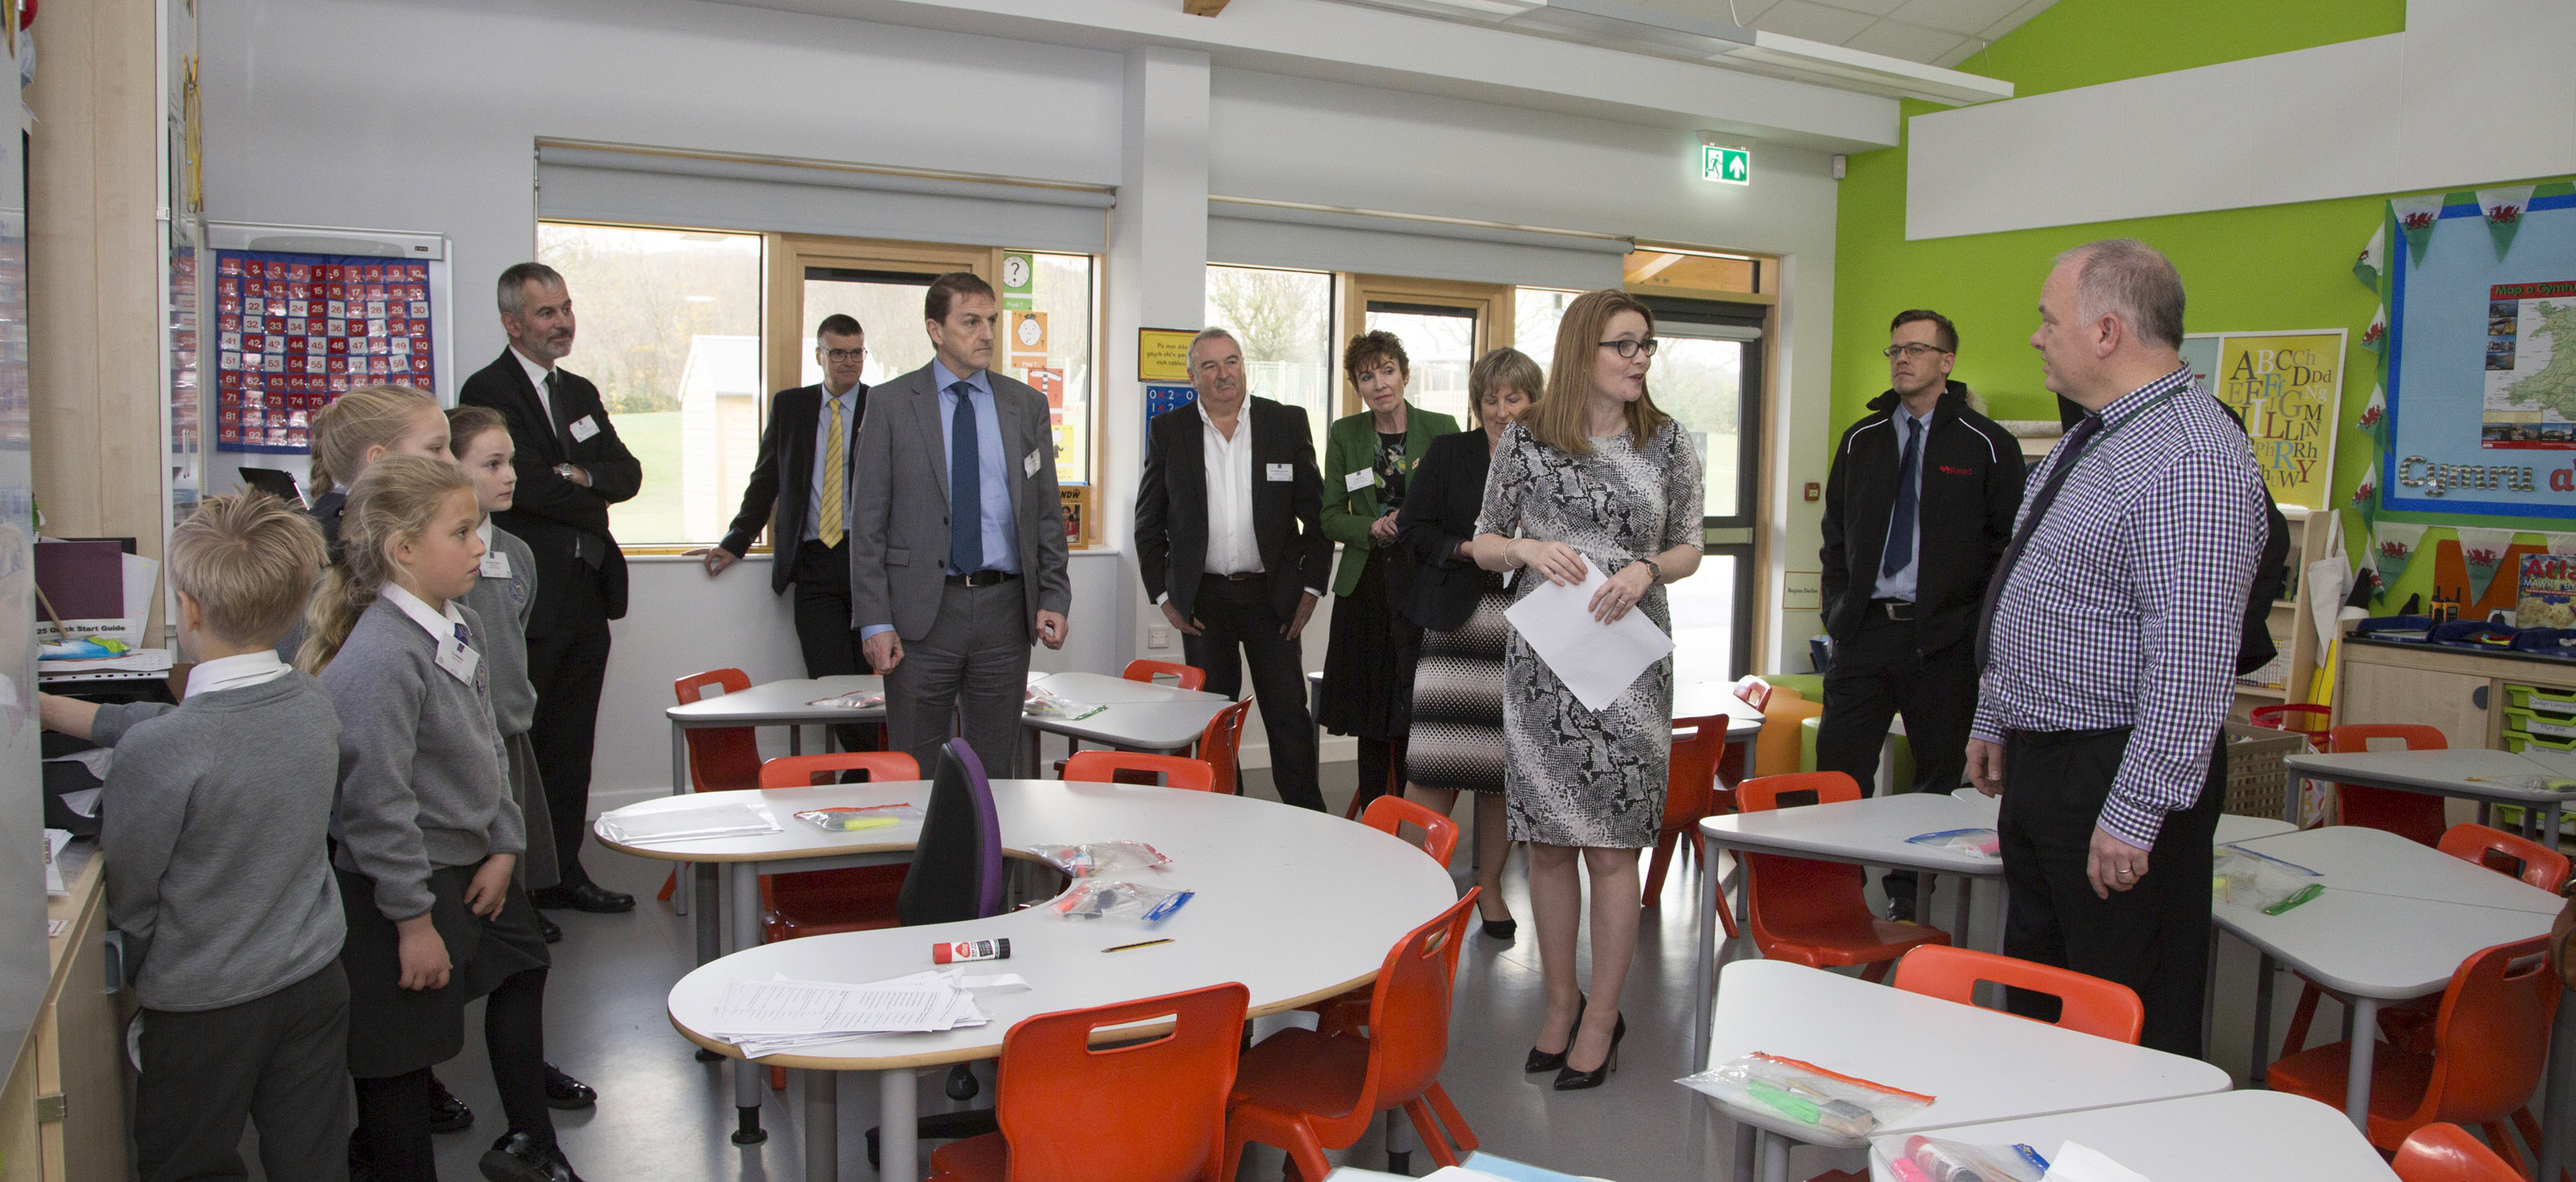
1597,661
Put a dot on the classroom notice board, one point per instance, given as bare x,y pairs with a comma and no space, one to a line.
293,331
2287,387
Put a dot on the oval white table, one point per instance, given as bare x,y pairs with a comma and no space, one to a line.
2246,1136
1296,905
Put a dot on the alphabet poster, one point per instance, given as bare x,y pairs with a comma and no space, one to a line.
2287,387
294,331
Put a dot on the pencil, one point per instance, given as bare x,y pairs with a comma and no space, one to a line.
1138,944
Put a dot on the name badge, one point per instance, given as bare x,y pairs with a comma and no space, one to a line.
582,429
458,660
1283,472
1357,480
496,565
1029,463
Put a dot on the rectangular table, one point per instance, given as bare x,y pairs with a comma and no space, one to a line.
2481,774
1981,1065
2247,1136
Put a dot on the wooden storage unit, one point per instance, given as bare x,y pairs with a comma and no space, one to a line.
2459,692
63,1109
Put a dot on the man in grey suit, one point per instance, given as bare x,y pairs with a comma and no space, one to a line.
957,553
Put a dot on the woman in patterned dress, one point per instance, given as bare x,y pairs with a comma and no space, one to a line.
1457,741
1593,477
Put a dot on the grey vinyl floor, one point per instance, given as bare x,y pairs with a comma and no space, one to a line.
663,1115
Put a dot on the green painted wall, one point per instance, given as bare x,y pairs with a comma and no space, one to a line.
2273,267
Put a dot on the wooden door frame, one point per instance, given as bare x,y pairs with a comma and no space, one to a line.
1491,303
782,352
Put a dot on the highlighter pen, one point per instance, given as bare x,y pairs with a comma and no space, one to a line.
1138,944
1792,1104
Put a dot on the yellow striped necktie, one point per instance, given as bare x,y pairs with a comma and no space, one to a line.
836,468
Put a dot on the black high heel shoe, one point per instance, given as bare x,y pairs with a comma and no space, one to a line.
1570,1080
1501,929
1555,1061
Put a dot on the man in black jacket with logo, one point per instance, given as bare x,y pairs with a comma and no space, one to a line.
1918,509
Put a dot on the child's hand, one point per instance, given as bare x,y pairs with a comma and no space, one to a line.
70,716
491,885
422,954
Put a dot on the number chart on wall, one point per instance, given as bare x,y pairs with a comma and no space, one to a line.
295,331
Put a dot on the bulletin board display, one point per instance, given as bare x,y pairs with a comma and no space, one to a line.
2481,379
294,331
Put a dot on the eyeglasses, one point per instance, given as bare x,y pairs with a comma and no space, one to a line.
842,354
1632,348
1916,349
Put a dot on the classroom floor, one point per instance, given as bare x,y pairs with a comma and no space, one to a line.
662,1115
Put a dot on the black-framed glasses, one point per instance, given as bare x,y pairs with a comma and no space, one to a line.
1911,349
1629,349
842,354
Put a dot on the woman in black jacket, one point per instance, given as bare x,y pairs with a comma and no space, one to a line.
1457,740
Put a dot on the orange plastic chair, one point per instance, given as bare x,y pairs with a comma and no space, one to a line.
799,771
2298,718
1813,913
2444,1152
1690,793
2488,1041
2103,1009
1307,1091
1130,1110
1189,677
1389,815
1220,742
721,759
1105,767
2411,815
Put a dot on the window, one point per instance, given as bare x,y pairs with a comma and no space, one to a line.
1284,320
1536,311
669,329
1439,344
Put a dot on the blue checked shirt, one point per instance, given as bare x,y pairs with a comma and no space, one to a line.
2128,601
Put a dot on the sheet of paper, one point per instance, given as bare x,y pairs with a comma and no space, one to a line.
729,819
84,802
2082,1163
55,840
1596,661
96,759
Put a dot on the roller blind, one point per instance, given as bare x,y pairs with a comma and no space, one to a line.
614,185
1269,235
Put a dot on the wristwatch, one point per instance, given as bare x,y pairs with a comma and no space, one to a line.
1656,568
566,471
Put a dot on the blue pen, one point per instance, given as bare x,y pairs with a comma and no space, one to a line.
2032,1156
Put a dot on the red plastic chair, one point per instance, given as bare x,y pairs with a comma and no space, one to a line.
1106,767
2488,1041
2411,815
1691,792
1306,1091
721,759
2445,1152
1814,913
2103,1009
1389,814
1148,1109
1219,744
2298,718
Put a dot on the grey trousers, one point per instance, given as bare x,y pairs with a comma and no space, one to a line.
282,1061
972,670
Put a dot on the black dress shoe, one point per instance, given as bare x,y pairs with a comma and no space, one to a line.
1570,1080
1539,1060
517,1157
547,928
566,1093
588,896
447,1114
1501,929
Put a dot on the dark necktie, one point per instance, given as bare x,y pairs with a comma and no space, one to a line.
555,411
1900,524
2075,441
965,497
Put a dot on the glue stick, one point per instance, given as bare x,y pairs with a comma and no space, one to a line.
951,953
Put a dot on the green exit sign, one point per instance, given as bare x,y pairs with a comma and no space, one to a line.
1733,166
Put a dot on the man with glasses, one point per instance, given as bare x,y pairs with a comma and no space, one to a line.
1918,508
800,492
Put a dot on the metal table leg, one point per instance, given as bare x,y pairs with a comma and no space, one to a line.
822,1126
1748,1142
1703,965
2209,993
2555,1089
2549,814
2365,1043
2262,1020
680,900
1775,1157
742,903
898,1126
1958,908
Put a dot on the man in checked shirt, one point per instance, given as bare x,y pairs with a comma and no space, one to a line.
2109,646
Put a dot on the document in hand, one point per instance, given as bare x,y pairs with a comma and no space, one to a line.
1595,660
781,1014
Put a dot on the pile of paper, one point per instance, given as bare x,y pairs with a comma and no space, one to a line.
636,825
783,1014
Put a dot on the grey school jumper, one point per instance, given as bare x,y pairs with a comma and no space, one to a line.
421,780
503,605
213,823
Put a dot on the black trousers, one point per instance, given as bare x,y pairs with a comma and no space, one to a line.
280,1061
1878,673
568,665
2153,937
824,630
1236,615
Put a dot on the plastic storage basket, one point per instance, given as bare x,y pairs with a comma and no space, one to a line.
2258,784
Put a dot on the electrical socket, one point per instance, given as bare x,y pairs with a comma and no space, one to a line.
1158,638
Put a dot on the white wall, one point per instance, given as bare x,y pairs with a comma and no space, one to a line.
446,144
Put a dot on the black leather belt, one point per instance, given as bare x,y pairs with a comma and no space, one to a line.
1244,576
983,578
1896,609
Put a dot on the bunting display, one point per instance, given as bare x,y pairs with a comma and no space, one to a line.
2375,337
2503,208
2393,546
2415,217
2374,257
2482,550
2374,414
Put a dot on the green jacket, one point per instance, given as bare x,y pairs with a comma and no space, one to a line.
1351,446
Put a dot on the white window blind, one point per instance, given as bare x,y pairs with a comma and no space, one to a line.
1266,234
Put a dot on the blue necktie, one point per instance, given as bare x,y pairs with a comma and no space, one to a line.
965,499
1900,524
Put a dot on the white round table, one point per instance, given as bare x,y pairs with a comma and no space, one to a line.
1296,905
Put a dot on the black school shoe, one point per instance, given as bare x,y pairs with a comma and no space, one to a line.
546,927
517,1157
566,1093
447,1114
588,896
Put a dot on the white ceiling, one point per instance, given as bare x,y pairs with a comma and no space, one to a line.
1935,32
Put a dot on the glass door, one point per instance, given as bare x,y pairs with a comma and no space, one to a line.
1707,375
1440,342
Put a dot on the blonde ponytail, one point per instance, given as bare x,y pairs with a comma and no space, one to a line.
369,416
392,502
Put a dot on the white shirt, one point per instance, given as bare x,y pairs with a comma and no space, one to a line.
234,672
1232,547
441,627
537,375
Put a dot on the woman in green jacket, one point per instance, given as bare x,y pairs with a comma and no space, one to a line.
1368,457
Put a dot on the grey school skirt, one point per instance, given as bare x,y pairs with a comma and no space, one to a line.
537,868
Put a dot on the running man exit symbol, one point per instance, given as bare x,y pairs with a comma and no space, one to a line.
1733,166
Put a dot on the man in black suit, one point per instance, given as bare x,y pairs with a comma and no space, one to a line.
1230,536
800,492
571,467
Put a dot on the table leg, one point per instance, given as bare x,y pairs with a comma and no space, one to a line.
822,1126
1029,755
742,904
2556,1093
2365,1043
2209,993
2256,1061
704,890
1703,964
795,739
679,784
1775,1157
2549,814
1748,1142
898,1126
2295,789
1958,909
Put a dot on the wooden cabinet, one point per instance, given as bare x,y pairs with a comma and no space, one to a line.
63,1109
2459,691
